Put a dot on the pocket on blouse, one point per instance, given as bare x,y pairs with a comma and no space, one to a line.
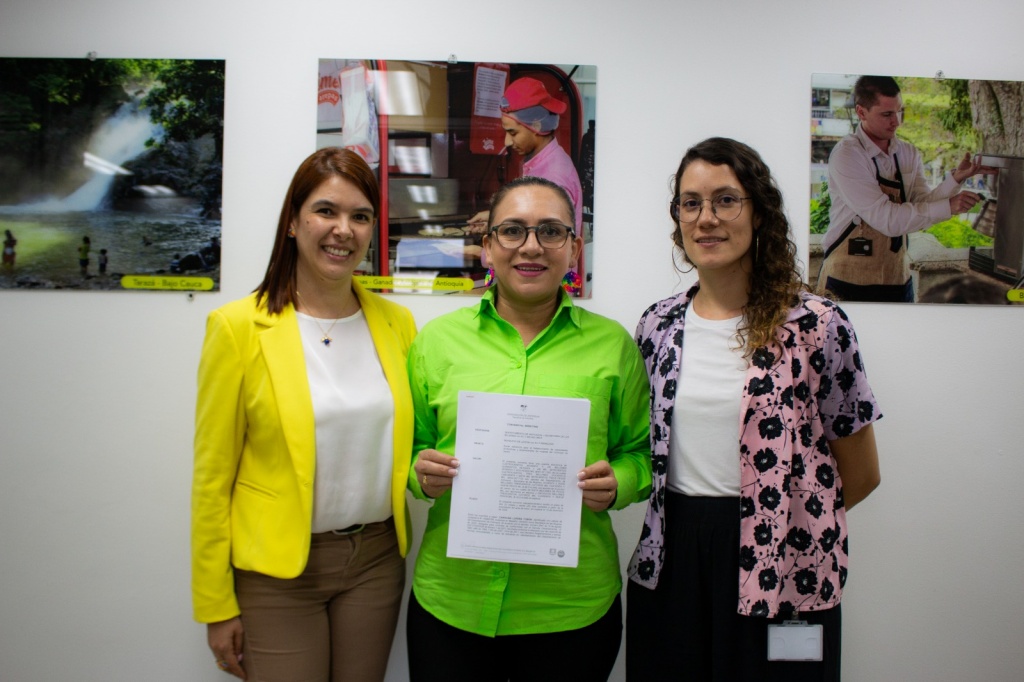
595,389
576,386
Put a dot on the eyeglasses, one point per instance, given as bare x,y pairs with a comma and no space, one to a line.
549,235
726,207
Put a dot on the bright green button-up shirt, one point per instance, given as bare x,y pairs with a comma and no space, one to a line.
579,355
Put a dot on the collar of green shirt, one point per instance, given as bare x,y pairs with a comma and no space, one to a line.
565,307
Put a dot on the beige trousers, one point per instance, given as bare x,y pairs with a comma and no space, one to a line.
333,623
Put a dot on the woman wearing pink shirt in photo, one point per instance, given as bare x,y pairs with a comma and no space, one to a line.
530,117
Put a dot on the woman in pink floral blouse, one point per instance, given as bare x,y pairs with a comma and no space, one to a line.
761,436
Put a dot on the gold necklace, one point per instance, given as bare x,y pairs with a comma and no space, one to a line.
326,338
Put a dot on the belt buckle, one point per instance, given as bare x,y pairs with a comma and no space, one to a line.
351,530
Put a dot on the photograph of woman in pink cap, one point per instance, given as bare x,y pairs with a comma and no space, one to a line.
448,135
529,116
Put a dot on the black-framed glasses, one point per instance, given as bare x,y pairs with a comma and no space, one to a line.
549,235
726,207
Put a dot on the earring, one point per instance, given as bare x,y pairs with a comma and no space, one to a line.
675,263
489,277
291,231
572,282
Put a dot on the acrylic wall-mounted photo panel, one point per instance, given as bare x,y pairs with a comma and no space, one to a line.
917,189
437,133
110,173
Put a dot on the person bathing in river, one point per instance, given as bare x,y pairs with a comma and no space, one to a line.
83,256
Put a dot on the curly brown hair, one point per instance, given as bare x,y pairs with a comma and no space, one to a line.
775,282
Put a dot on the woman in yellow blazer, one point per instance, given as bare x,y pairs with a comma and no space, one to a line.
303,434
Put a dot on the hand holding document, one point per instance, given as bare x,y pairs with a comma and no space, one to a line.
435,471
599,486
517,496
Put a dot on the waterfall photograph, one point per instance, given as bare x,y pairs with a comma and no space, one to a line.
110,173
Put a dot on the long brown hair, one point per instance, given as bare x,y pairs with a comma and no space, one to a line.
775,282
278,285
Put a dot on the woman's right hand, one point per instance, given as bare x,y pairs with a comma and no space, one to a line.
225,640
435,471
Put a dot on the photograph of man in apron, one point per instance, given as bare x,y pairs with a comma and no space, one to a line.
879,196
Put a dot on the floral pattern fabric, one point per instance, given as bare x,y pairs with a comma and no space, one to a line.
800,392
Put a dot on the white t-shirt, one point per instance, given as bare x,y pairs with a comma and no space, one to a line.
704,457
354,413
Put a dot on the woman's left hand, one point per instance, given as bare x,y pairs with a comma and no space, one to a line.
225,639
435,471
599,485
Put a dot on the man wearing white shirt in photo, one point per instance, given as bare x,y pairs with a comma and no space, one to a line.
879,196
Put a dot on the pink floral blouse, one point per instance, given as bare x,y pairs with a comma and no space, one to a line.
801,392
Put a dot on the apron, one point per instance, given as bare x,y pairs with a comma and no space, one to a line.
864,257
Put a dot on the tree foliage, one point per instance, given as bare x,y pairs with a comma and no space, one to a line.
188,100
956,118
50,85
820,209
934,122
957,233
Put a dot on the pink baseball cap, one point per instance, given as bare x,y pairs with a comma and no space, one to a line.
530,92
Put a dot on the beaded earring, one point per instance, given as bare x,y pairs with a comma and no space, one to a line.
572,282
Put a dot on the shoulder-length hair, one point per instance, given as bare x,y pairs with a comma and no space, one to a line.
278,286
775,282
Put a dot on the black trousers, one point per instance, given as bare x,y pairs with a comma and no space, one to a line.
439,652
688,629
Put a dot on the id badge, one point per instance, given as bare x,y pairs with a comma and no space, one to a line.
795,640
859,246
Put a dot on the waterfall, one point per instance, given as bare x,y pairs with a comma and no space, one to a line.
118,140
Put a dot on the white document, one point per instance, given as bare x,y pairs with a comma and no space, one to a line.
516,498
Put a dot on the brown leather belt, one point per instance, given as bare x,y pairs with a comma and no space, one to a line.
351,530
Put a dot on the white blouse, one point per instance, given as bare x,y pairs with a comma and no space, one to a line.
354,413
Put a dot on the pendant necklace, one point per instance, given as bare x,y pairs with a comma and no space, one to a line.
326,338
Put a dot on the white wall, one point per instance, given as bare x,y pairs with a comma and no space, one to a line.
96,389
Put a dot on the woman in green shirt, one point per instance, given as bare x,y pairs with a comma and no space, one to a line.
488,620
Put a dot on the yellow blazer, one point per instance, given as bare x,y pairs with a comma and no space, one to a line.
255,445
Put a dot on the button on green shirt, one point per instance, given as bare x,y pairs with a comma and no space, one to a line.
579,355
